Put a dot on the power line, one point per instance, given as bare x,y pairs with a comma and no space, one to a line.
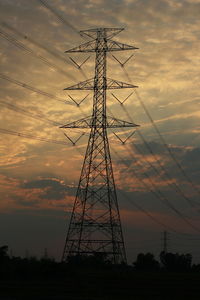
177,189
29,51
165,173
135,204
145,212
173,185
40,117
166,146
30,136
159,195
19,109
59,17
171,154
33,89
65,22
31,40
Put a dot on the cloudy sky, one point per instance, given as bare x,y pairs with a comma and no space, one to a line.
38,179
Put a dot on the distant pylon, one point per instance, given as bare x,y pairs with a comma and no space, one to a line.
165,241
95,226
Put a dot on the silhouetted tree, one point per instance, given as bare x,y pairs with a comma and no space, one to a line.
97,259
176,261
4,262
146,262
3,252
196,268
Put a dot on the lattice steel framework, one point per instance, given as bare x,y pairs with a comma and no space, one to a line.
95,226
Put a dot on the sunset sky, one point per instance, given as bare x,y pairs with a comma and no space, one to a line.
38,180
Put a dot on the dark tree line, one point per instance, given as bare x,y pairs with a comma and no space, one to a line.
173,262
28,268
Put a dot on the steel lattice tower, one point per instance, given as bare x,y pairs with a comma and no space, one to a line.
95,225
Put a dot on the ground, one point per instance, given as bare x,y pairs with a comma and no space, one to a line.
105,285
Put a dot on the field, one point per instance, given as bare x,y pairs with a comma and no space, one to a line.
105,285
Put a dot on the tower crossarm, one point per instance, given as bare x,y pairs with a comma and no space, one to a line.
83,85
116,46
116,84
86,47
109,85
88,122
92,33
109,47
117,123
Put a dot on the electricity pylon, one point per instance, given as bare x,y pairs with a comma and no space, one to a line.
165,241
95,226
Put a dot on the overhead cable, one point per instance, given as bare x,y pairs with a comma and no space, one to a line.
29,51
33,89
